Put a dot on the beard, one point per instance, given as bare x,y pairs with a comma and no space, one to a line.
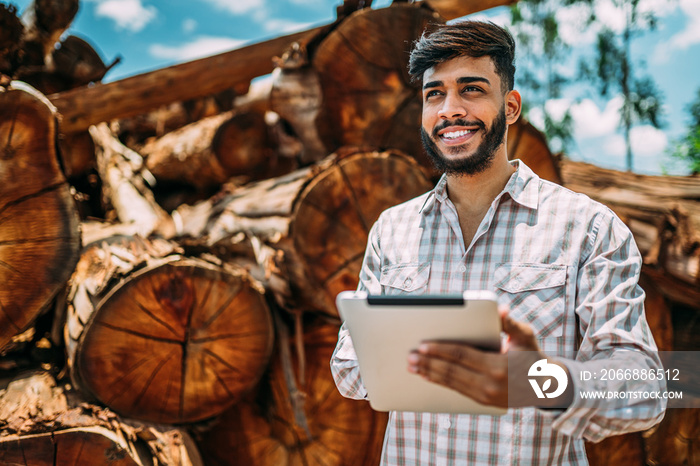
471,165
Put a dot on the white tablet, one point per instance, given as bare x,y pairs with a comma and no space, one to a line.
385,329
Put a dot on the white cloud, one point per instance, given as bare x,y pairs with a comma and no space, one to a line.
283,26
238,7
646,141
691,34
127,14
189,25
202,47
573,27
590,121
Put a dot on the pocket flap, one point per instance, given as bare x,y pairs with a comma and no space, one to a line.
406,277
514,278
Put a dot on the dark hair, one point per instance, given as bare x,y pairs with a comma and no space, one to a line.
471,38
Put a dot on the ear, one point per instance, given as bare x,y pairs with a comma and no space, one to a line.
513,106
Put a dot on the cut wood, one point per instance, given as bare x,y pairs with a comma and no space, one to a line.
663,213
453,9
527,143
42,427
675,440
44,22
368,97
39,229
317,217
86,106
162,337
124,188
266,431
208,152
11,30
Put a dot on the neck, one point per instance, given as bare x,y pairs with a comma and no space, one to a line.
475,193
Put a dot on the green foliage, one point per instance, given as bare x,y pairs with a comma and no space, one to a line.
613,71
541,52
688,147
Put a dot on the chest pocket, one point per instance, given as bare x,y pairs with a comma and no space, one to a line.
405,278
536,294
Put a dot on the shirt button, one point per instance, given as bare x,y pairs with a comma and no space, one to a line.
444,422
408,282
462,268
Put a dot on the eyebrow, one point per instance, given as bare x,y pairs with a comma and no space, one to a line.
462,80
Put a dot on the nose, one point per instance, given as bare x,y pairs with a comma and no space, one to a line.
452,107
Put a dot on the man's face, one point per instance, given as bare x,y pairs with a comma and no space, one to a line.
464,115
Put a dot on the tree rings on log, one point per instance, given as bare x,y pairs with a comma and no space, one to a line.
368,97
268,431
39,227
333,214
175,340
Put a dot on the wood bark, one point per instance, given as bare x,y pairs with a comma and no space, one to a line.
161,337
43,425
124,187
663,213
86,106
318,218
39,229
298,420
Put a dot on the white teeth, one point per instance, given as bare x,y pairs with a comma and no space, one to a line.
456,134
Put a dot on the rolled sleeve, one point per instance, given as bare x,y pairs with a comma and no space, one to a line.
615,335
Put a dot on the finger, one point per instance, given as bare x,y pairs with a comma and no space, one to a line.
479,386
520,334
459,353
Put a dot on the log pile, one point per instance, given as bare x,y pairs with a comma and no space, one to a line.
169,260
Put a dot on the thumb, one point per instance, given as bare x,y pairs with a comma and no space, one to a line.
520,334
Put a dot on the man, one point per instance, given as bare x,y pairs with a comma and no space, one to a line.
564,267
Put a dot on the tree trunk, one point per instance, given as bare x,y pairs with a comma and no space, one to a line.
317,217
298,422
39,230
41,426
162,337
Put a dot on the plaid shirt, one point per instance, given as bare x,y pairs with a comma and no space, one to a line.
550,254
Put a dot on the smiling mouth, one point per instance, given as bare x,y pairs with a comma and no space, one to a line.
452,135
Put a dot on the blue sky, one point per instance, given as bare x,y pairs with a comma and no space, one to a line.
150,34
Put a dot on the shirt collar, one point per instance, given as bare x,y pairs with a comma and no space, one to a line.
523,188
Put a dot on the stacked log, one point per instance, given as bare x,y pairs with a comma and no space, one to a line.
304,421
44,425
39,235
218,315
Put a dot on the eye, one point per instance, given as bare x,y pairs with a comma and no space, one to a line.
471,89
432,93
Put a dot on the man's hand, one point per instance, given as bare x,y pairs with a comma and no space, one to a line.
484,375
